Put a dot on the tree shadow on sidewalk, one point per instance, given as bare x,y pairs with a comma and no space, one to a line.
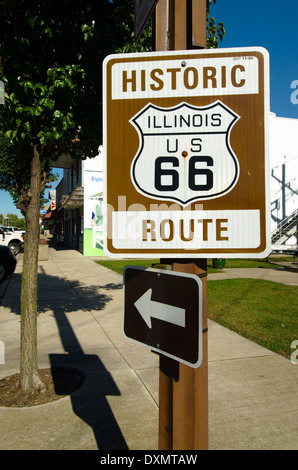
89,402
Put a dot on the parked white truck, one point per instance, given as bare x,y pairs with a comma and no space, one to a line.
14,240
13,229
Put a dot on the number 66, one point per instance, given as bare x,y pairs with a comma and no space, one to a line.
192,173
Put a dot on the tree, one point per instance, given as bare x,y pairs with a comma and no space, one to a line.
214,32
50,62
51,54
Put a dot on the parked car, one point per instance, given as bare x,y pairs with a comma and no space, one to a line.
13,229
8,262
14,240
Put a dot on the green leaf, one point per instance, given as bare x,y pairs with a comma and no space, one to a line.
57,135
58,114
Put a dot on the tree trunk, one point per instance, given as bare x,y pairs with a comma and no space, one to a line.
29,378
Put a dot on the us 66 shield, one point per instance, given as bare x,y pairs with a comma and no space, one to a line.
184,152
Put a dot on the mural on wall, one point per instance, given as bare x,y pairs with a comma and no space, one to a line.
93,209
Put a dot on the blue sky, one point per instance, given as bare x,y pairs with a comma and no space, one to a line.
270,24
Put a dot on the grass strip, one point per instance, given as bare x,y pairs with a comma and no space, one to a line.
263,311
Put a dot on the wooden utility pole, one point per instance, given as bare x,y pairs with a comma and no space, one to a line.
183,391
180,25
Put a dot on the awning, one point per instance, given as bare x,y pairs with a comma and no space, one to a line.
53,215
74,200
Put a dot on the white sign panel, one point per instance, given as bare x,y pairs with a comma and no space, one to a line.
219,76
187,230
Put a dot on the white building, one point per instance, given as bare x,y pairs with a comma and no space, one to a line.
284,180
76,194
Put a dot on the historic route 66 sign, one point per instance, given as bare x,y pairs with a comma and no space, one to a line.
186,139
185,153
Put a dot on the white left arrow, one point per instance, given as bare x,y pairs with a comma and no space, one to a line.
150,309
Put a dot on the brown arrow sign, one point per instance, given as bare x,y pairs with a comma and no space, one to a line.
163,311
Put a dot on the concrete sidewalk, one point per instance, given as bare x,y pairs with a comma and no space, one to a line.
252,391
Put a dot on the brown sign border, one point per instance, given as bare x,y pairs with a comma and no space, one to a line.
256,122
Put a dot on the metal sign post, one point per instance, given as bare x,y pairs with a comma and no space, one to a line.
183,392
